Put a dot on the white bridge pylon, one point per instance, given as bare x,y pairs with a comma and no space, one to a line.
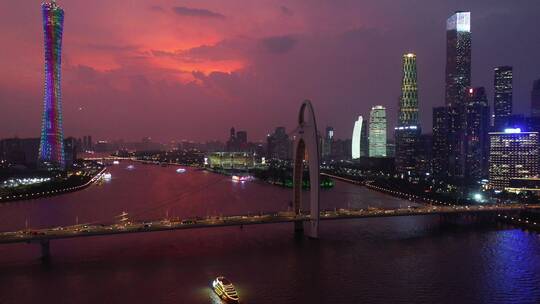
306,140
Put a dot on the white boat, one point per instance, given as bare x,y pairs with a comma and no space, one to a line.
225,290
241,178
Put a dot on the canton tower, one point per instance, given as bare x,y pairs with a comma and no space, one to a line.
51,148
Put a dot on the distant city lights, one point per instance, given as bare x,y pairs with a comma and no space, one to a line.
406,128
16,182
512,130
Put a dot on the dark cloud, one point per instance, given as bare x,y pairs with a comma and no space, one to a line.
196,12
279,44
286,11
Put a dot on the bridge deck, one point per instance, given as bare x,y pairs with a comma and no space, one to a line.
37,235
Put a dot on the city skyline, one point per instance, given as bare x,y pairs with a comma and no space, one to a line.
92,61
373,152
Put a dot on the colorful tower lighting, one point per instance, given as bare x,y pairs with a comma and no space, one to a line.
51,149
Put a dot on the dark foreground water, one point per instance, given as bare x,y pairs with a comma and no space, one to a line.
390,260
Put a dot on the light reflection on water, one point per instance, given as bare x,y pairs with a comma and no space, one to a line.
392,260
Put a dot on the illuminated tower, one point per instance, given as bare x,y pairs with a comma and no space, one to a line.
458,79
357,138
458,57
408,131
51,149
377,132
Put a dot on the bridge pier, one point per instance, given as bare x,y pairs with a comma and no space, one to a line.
45,250
298,228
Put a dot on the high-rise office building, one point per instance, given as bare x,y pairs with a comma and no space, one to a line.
241,138
502,101
477,123
450,163
424,155
278,144
407,131
513,155
377,132
535,99
441,118
357,138
458,57
364,139
327,142
51,149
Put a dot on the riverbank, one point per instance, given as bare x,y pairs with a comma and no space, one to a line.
74,182
281,179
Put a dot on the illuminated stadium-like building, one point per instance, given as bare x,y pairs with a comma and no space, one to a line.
231,160
51,149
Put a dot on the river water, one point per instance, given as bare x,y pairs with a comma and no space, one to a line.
387,260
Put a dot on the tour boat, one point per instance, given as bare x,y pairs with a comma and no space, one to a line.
241,178
225,290
180,170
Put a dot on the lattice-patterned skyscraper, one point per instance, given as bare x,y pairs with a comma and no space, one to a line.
51,149
408,129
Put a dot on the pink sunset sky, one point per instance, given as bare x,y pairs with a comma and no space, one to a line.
176,70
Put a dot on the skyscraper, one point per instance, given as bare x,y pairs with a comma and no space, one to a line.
502,101
356,138
458,57
458,79
408,129
476,134
327,142
278,144
377,132
441,125
535,99
513,154
364,139
51,149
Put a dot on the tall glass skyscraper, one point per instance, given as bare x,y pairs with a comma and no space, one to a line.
458,79
407,131
502,101
51,149
357,138
377,132
327,142
458,57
